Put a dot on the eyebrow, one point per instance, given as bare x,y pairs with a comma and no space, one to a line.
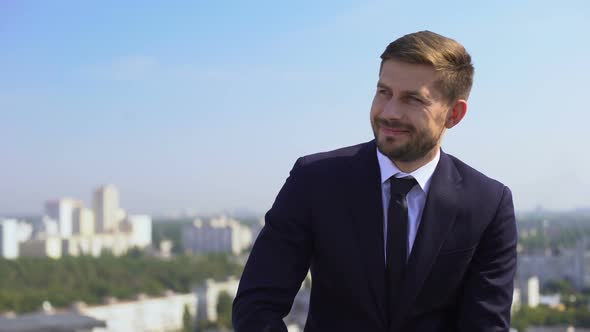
415,94
381,85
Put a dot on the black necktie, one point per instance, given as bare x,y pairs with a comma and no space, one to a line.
397,237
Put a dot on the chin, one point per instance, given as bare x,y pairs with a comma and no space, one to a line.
387,147
390,142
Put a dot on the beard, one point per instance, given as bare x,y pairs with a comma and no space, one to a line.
419,142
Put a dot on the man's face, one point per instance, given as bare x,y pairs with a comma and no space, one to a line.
408,114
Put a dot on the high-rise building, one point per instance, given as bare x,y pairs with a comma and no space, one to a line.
70,229
533,292
8,238
120,216
24,231
84,221
46,227
49,246
106,209
62,211
140,230
218,235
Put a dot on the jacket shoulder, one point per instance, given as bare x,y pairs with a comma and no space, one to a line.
333,156
333,160
334,164
476,181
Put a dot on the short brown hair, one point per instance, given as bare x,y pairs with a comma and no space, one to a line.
447,56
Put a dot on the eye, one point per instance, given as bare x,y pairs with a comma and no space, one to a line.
383,92
414,99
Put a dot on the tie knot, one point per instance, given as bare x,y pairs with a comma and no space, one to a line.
401,186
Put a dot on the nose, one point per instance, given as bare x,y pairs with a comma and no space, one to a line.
392,109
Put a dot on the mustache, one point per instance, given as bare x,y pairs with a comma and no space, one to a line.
394,124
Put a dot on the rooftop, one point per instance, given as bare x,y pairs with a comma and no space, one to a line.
41,322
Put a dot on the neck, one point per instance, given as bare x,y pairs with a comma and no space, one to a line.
410,166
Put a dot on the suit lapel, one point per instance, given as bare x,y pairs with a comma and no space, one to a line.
438,217
367,212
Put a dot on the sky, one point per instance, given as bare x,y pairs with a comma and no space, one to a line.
206,105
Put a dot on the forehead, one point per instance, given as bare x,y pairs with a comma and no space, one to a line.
401,76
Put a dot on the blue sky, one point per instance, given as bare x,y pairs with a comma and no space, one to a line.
206,105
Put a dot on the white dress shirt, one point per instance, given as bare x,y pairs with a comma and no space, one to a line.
415,198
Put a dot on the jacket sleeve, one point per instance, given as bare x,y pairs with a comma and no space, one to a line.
489,283
278,262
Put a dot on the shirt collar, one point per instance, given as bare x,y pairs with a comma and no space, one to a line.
422,174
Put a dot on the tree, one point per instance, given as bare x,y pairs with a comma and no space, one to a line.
187,320
26,282
224,306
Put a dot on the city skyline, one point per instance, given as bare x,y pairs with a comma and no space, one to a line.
207,106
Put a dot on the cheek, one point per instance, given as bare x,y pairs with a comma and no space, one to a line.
376,107
429,119
439,121
441,115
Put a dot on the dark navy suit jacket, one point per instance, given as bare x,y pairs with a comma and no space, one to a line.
329,217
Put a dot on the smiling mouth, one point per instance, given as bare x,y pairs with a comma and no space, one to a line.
394,131
397,130
393,127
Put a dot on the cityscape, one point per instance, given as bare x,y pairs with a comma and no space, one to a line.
552,285
143,144
69,229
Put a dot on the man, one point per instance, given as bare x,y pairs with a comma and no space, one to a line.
399,235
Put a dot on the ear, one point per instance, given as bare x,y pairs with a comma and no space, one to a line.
456,113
